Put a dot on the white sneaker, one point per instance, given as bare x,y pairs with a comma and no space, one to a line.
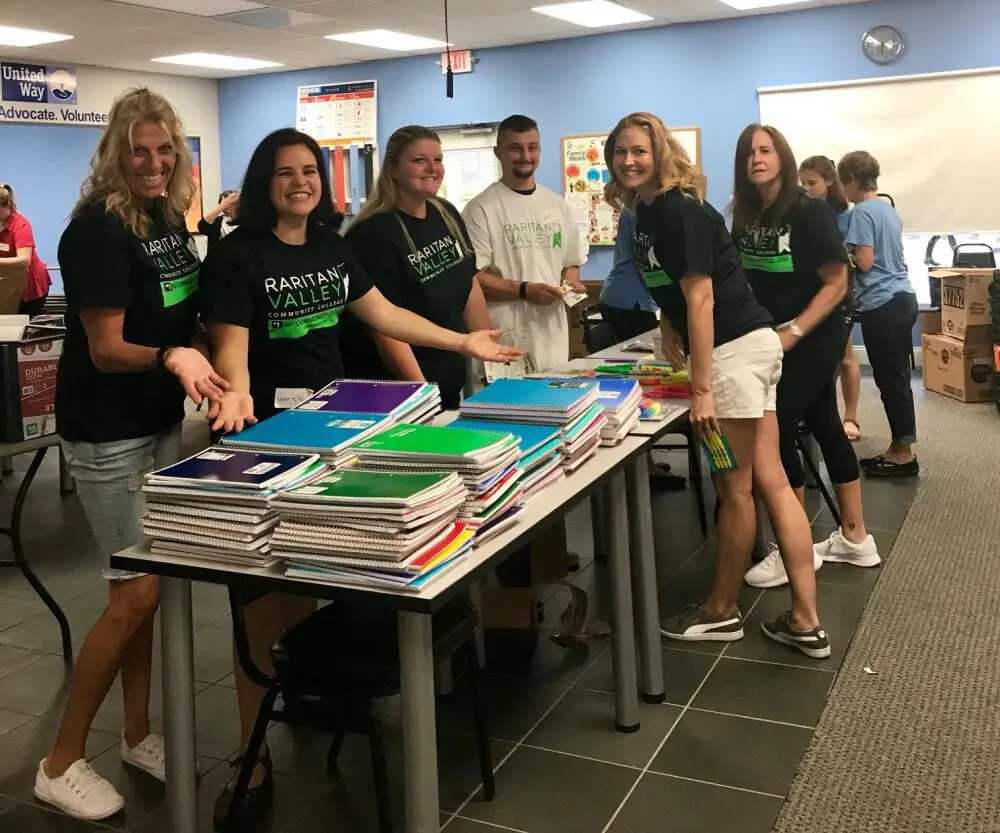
79,792
148,755
771,571
838,548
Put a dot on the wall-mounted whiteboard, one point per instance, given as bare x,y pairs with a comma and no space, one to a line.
470,165
935,137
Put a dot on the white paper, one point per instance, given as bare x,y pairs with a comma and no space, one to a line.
517,368
572,298
290,397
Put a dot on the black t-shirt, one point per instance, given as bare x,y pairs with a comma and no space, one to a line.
290,298
782,259
429,273
678,235
155,280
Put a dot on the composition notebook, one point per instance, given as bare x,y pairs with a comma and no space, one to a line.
311,430
550,395
360,397
234,468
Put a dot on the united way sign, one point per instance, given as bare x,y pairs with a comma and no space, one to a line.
37,93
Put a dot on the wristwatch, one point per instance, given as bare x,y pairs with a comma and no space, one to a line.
522,290
161,355
795,329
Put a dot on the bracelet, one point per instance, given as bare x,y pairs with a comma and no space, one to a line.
522,290
160,356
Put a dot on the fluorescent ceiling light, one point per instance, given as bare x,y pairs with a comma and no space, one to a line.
212,61
12,36
204,8
593,13
386,39
746,5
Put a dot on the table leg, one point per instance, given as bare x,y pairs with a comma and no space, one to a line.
15,542
178,704
622,621
645,587
599,525
420,771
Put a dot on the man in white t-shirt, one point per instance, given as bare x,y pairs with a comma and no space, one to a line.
527,243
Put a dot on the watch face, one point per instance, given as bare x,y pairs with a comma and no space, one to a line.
882,44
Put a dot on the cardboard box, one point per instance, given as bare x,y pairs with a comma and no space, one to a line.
930,323
965,307
11,288
28,380
958,369
507,608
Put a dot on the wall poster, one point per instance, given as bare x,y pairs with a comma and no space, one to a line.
197,208
585,174
339,114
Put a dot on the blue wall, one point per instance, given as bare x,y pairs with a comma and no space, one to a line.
703,74
45,166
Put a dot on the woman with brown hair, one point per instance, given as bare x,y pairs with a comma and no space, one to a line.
887,307
796,262
131,275
416,249
818,176
693,271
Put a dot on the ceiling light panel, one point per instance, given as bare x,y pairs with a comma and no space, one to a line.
387,39
749,5
594,14
13,36
210,60
204,8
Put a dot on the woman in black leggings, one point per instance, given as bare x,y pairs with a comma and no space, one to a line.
795,259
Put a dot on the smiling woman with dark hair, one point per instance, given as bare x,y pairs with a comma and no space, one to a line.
274,291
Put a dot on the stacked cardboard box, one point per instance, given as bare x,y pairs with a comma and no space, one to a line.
958,360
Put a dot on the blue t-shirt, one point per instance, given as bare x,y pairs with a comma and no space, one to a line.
843,221
624,287
875,223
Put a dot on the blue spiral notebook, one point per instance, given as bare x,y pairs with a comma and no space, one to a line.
309,431
559,396
531,436
222,467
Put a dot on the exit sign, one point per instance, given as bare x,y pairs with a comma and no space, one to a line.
461,61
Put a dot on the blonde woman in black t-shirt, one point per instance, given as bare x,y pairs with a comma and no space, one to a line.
131,276
415,248
711,320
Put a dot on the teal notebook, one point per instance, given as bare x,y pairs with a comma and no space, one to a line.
530,394
437,442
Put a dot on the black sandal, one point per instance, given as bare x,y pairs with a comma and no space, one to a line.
880,467
255,797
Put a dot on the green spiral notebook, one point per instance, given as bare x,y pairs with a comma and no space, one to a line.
432,442
388,488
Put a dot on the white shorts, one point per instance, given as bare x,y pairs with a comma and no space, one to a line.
745,374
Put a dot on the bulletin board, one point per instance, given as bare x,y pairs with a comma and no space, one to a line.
585,174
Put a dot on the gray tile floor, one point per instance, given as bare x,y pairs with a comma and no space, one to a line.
718,756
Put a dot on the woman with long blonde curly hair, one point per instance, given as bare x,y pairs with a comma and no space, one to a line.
130,356
708,313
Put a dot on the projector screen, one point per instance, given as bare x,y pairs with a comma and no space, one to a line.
935,137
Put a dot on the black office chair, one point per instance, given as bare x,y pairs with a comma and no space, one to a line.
801,442
331,667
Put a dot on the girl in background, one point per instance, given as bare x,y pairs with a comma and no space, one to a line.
818,176
221,220
19,255
887,307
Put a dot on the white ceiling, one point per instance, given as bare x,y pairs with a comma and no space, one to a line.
125,36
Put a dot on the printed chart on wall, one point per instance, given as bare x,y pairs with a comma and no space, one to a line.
470,165
196,210
585,174
339,115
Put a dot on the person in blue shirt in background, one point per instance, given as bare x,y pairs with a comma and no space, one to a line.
886,305
630,310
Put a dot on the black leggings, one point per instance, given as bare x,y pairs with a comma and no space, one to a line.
807,393
888,334
628,323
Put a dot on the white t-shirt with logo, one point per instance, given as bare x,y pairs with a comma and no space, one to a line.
528,237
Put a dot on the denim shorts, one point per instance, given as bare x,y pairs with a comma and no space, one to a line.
109,479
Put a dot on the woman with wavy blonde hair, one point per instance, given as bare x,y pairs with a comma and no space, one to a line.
130,356
692,269
416,249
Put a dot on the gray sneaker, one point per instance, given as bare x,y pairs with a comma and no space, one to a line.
814,643
693,624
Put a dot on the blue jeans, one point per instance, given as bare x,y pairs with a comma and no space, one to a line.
109,479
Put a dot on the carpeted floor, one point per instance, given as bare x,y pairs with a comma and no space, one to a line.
915,747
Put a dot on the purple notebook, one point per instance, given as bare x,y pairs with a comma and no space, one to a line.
358,397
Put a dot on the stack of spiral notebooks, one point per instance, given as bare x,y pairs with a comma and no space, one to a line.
486,461
371,527
216,504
